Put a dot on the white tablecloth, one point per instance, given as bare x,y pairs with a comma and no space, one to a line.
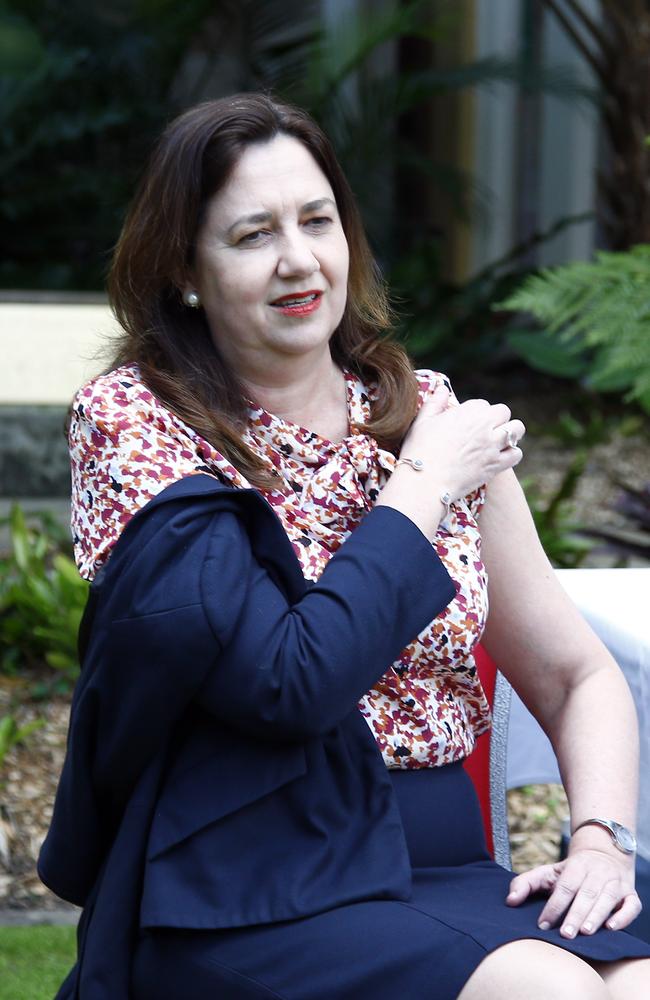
616,603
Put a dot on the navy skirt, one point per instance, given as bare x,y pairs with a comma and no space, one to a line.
424,948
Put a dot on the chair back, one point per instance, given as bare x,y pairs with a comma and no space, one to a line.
486,765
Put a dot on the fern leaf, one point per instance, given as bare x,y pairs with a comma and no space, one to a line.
600,308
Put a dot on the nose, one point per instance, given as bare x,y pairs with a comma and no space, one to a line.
296,257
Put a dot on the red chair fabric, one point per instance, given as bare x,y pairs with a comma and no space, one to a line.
477,764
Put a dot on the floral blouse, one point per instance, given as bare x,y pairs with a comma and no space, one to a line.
126,446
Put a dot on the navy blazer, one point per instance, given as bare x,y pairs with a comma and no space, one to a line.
218,772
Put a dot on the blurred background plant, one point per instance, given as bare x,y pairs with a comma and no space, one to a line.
82,88
11,734
554,513
42,598
594,328
633,539
595,322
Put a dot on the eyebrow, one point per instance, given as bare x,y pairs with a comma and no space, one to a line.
259,218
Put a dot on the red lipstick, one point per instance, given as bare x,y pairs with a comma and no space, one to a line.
298,303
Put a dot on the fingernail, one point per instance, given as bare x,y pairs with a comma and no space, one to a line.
612,925
544,926
569,931
587,928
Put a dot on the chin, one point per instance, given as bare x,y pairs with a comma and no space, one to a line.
297,342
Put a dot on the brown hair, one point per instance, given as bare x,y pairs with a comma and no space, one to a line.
171,343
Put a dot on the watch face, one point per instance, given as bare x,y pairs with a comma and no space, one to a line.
625,838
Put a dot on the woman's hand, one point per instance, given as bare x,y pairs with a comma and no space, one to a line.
590,888
459,448
467,445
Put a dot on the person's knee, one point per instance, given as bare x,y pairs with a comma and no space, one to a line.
626,979
534,970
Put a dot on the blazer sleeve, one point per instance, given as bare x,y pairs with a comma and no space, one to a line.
277,669
184,613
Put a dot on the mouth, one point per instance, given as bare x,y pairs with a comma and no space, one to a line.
298,298
298,303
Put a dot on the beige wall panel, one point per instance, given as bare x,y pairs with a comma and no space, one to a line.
48,350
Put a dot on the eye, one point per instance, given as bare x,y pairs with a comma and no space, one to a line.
319,221
254,237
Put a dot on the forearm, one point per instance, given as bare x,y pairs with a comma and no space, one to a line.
595,736
425,509
558,666
570,683
295,670
596,739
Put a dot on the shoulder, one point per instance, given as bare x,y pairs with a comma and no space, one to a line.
125,448
118,401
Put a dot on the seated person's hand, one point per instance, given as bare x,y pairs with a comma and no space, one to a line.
588,889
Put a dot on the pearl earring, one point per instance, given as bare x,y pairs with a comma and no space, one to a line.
192,299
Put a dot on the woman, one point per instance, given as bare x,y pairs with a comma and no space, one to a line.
263,794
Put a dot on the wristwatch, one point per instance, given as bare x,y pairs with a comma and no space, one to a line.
623,838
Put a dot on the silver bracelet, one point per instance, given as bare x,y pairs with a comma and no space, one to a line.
418,465
415,463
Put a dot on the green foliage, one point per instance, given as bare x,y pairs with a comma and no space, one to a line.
42,598
83,90
34,961
633,538
562,536
454,327
554,518
567,541
11,733
596,322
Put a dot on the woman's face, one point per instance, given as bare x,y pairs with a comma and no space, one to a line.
271,262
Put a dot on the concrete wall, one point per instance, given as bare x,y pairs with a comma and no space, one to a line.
49,347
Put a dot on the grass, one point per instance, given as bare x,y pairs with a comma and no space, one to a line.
34,961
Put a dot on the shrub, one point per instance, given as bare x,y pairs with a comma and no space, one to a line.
42,597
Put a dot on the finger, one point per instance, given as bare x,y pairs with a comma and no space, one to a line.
593,903
628,911
563,894
516,430
500,414
508,458
509,435
605,905
541,879
438,401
